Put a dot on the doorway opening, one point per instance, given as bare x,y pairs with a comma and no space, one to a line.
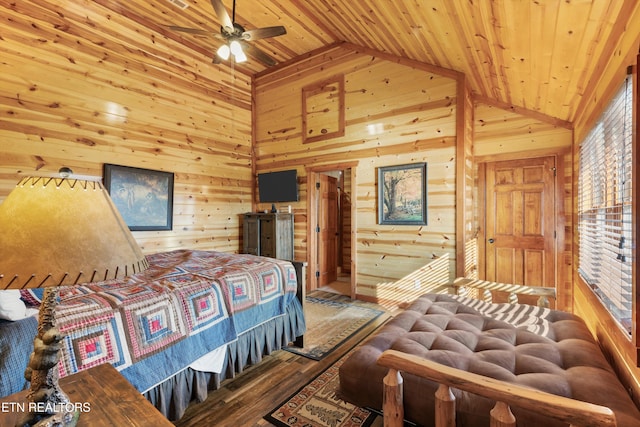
332,229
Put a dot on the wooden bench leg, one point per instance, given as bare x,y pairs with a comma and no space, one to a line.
392,404
445,407
501,416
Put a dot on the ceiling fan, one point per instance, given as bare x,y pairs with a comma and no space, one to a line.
236,37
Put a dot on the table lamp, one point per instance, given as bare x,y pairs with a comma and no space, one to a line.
57,231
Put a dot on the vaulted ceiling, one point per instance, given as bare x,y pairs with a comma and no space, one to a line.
541,55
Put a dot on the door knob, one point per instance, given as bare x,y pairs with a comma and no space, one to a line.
491,240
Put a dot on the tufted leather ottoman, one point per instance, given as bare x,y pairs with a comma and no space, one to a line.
549,350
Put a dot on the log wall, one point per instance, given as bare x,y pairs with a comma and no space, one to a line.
127,97
396,112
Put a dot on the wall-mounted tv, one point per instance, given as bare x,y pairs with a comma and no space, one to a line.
278,187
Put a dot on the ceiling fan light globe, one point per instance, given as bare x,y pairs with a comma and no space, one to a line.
224,52
236,48
240,56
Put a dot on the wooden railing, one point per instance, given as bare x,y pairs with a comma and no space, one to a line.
506,395
485,289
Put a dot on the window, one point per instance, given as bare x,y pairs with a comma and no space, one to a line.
604,207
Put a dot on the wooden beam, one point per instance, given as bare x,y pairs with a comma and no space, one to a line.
523,111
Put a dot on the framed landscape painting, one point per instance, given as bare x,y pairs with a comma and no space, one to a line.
402,194
143,197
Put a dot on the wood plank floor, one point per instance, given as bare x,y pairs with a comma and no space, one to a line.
244,400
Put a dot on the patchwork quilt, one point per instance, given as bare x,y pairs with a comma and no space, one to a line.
152,325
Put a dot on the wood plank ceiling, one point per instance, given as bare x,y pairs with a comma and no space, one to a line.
536,54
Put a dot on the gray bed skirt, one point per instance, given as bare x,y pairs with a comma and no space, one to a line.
174,395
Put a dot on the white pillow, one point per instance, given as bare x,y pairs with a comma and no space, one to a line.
12,307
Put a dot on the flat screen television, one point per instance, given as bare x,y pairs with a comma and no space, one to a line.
278,187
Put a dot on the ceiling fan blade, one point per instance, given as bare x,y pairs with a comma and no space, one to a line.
193,31
263,33
261,56
223,15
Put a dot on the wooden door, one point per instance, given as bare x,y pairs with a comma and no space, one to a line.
520,222
327,229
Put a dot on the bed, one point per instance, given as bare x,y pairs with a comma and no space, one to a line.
174,331
548,350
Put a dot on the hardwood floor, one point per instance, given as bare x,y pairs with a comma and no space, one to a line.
244,400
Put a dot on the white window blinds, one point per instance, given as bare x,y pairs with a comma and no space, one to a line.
604,207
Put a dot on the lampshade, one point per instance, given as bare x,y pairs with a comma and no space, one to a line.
61,231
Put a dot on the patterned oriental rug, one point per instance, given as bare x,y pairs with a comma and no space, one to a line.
332,319
316,405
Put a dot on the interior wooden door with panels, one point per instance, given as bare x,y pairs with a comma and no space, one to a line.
520,214
327,229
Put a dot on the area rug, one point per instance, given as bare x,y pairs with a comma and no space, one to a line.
316,405
331,320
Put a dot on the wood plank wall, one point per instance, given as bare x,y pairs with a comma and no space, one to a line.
467,196
411,105
82,86
396,112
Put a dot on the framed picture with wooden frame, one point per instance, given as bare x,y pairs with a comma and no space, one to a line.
402,194
323,110
144,197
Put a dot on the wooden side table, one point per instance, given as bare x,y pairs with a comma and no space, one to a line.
106,399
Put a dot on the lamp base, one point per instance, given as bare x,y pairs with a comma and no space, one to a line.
49,406
58,419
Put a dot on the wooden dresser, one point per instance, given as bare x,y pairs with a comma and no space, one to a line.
268,234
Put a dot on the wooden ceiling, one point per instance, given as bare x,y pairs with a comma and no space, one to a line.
540,55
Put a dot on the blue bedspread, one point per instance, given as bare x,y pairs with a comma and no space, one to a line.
154,324
16,343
